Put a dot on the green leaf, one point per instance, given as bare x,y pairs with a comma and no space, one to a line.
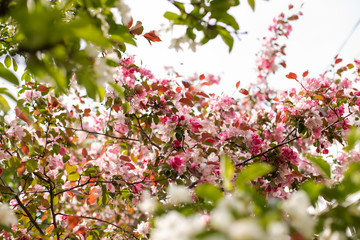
71,169
209,192
126,107
8,75
313,190
73,176
227,170
171,15
15,66
4,106
118,89
14,162
31,165
7,61
321,164
252,4
227,38
352,138
92,34
252,172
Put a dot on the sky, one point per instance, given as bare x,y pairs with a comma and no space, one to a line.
316,38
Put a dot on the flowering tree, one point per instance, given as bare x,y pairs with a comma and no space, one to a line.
163,159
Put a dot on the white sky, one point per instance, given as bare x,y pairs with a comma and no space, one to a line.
315,40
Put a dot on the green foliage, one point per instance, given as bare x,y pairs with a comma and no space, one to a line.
322,165
252,172
353,138
227,170
209,193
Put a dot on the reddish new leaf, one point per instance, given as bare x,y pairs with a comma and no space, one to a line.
244,91
21,169
187,102
87,112
305,73
186,84
130,23
238,84
338,60
202,94
152,37
244,126
202,77
92,197
24,148
125,158
73,221
42,88
189,96
49,229
81,231
21,115
137,29
291,75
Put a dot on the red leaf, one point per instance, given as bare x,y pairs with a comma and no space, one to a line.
42,88
130,23
84,152
82,231
24,149
294,17
49,229
152,37
244,126
244,91
137,29
238,84
275,99
338,60
21,169
186,84
202,94
73,221
87,112
202,77
125,158
278,119
116,108
291,76
305,73
154,86
187,102
21,115
291,6
189,96
283,63
92,197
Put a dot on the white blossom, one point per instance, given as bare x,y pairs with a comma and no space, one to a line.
174,226
178,194
124,11
278,231
297,209
148,203
246,230
143,228
7,216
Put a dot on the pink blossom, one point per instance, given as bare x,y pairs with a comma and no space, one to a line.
195,124
176,143
317,133
223,136
62,151
176,162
